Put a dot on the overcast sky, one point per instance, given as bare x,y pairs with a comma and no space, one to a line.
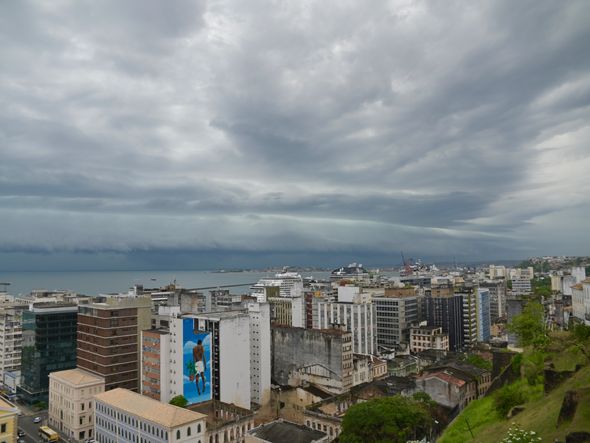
246,132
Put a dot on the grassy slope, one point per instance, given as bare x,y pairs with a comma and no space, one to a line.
541,411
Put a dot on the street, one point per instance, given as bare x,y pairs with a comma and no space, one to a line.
25,422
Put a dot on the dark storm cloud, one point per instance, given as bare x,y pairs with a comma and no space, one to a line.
447,129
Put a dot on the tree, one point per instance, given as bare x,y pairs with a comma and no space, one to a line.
390,419
179,400
530,326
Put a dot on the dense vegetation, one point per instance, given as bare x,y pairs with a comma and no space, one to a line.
394,419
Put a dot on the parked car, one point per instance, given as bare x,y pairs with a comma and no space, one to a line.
21,433
37,420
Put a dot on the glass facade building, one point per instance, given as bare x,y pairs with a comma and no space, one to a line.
49,344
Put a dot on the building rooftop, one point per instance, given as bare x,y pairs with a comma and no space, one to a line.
281,431
149,409
76,377
7,408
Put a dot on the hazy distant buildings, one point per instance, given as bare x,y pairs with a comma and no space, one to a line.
521,286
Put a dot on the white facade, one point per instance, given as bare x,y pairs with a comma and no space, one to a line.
579,273
348,294
11,341
357,318
123,416
260,349
521,286
290,284
230,359
581,301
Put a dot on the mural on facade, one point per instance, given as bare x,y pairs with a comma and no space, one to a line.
196,362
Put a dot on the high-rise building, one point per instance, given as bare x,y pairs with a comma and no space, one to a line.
109,338
216,368
469,297
445,309
289,284
394,313
11,343
356,318
260,349
483,315
49,344
497,290
155,357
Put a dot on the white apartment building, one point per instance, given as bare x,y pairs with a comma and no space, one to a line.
11,343
260,349
71,394
581,301
357,318
521,286
123,416
290,284
230,355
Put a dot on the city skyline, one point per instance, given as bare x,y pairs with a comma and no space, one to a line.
239,134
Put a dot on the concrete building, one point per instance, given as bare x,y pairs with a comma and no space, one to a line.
497,272
225,423
282,431
428,337
230,355
483,315
514,307
394,313
445,309
469,296
320,357
260,352
521,286
109,338
356,318
581,301
579,273
123,416
155,363
11,344
497,290
71,411
290,284
8,421
49,344
287,311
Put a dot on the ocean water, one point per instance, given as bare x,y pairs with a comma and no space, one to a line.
96,282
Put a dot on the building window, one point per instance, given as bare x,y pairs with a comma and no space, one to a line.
3,428
188,431
178,435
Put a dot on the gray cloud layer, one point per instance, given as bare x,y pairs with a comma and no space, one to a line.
446,129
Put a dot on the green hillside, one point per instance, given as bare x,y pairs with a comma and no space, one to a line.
541,411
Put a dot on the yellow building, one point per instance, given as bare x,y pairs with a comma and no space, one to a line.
8,422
